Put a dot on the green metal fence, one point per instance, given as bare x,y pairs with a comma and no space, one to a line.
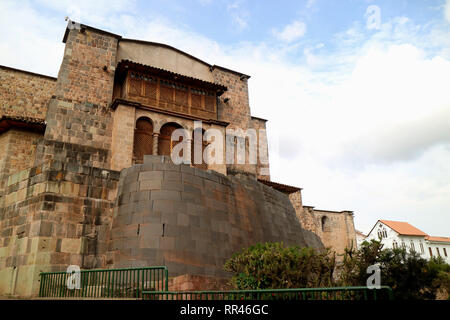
105,283
334,293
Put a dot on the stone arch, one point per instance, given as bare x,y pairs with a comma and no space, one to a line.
178,122
165,144
143,139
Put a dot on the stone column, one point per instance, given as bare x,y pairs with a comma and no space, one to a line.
155,143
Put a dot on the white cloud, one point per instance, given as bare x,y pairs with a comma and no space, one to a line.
238,14
291,32
310,3
447,10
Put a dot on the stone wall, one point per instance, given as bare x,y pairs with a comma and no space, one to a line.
335,228
236,110
188,282
17,150
51,216
24,94
192,220
262,167
79,113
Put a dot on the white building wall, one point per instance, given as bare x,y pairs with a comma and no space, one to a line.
418,242
441,245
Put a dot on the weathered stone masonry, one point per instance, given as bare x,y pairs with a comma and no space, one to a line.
192,220
53,215
72,192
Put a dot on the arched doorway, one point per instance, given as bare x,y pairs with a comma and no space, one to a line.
198,133
165,144
143,139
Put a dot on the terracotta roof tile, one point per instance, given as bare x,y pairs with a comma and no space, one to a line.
404,228
438,239
280,187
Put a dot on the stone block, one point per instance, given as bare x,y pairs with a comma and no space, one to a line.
171,185
187,169
165,195
150,159
150,185
169,218
150,175
172,176
149,241
182,219
151,229
71,245
163,205
167,243
166,167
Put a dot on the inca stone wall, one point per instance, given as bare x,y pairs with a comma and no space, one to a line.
51,216
336,229
79,115
192,220
236,111
24,94
262,167
17,150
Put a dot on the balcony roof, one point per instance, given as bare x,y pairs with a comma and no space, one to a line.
125,65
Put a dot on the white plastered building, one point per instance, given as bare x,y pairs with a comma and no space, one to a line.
397,234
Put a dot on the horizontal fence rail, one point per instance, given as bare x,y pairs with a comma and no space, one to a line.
105,283
333,293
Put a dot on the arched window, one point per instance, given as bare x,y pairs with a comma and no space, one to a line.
421,248
165,144
384,233
412,247
143,139
325,223
395,245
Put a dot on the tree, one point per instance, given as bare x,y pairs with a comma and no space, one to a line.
409,275
275,266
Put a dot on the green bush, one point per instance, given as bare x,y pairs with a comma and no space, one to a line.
275,266
409,275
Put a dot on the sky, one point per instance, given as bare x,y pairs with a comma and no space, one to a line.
357,92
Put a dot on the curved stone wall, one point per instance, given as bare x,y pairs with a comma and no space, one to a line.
193,220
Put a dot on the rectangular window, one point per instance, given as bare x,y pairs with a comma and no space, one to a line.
437,250
431,252
445,252
412,246
421,248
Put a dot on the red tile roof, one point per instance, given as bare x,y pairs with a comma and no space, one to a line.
438,239
404,228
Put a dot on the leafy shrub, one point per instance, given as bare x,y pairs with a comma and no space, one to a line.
275,266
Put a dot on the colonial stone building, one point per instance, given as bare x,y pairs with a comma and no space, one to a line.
86,178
